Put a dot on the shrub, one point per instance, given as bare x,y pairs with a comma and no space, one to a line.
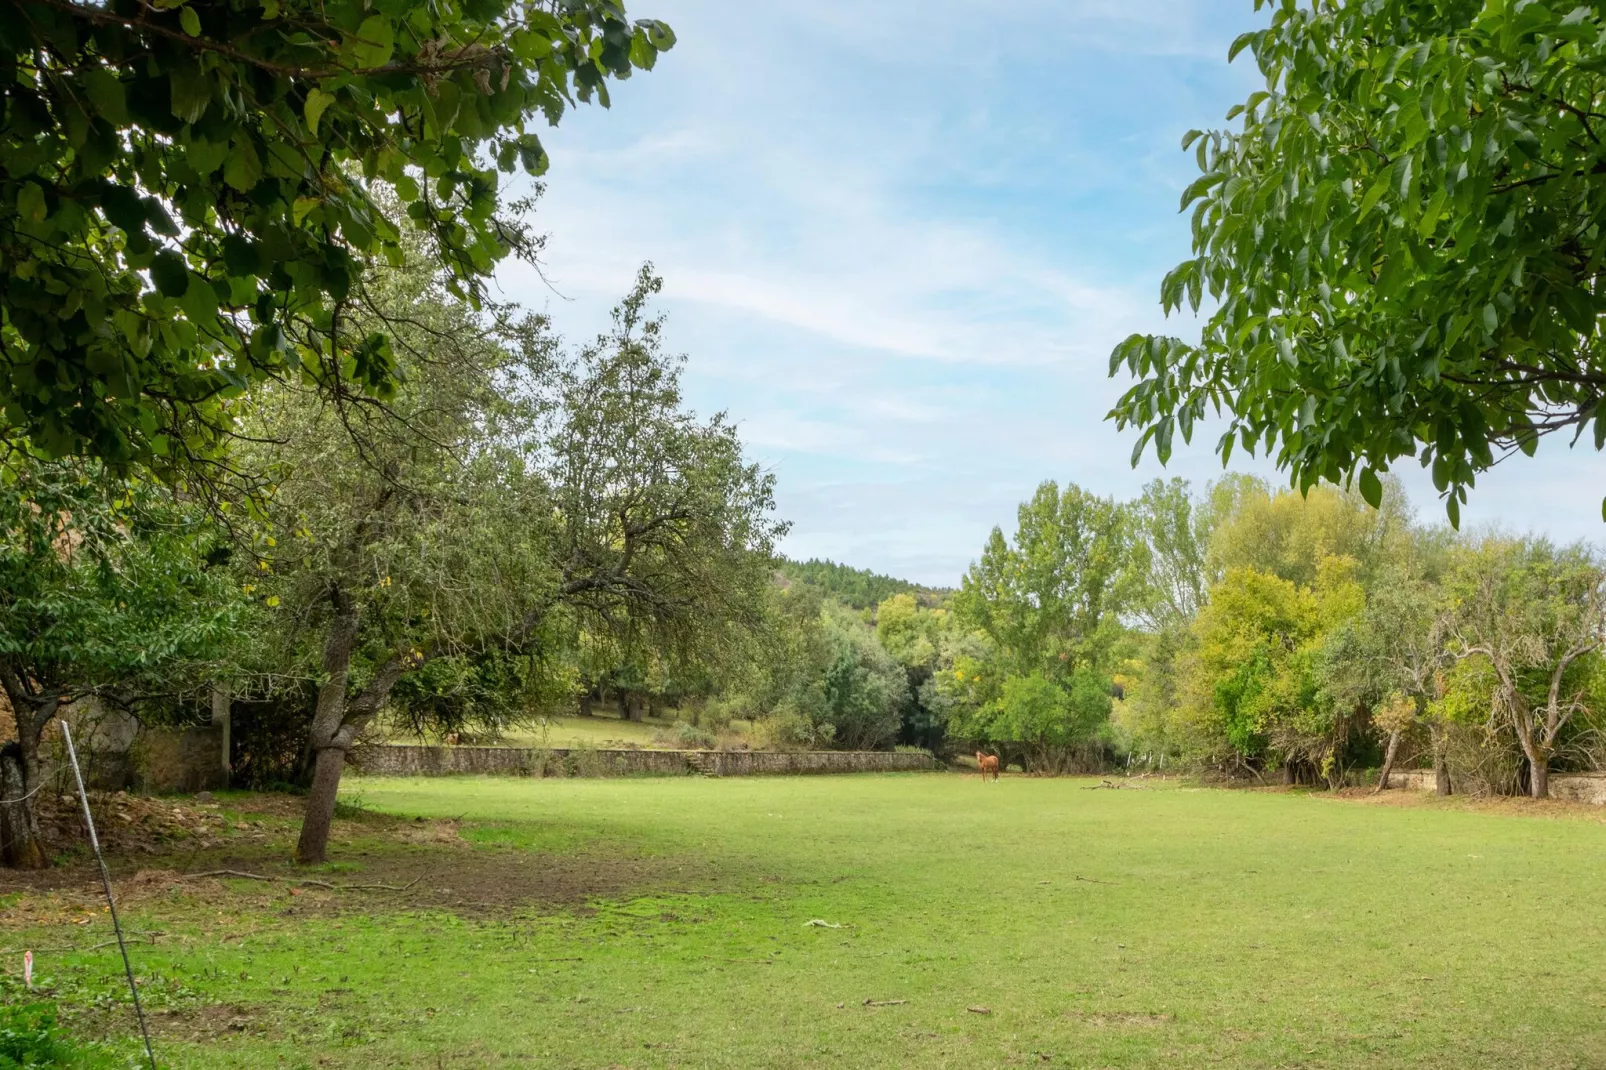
691,736
30,1037
790,729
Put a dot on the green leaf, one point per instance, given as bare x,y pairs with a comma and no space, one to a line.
1374,193
317,103
170,274
105,92
374,42
244,169
241,255
1491,318
191,22
205,156
190,91
1371,488
31,202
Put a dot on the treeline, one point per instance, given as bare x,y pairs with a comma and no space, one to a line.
1266,634
482,540
857,588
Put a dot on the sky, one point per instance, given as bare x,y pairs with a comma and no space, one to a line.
899,241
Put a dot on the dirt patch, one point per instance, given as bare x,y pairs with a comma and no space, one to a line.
1122,1018
381,864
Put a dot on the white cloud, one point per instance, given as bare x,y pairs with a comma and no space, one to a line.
899,240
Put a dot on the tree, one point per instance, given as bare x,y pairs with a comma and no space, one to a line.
1051,599
865,690
188,191
1255,679
1535,614
508,499
922,640
1401,245
858,588
1049,603
1172,543
1287,534
108,588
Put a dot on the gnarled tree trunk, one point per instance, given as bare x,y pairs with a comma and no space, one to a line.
21,845
1388,762
338,721
1441,763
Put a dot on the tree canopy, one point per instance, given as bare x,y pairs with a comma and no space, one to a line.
1401,246
187,190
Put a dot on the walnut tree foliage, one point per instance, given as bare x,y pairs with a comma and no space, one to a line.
1400,249
186,190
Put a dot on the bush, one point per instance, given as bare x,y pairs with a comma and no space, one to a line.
30,1037
790,729
692,737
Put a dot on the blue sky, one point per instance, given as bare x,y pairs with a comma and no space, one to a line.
900,239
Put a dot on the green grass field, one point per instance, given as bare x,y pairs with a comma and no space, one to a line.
666,923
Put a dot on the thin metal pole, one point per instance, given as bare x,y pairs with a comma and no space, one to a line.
106,879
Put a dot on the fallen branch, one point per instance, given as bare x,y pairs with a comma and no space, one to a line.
299,881
885,1002
1090,880
153,934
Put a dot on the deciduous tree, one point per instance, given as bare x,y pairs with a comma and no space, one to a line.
108,588
186,199
1400,246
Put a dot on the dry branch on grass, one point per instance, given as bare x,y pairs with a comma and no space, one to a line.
300,881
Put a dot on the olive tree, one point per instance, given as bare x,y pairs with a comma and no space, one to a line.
1533,614
507,496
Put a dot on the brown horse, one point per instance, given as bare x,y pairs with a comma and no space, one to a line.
988,763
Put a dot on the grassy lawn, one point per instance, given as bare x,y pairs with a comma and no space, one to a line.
660,923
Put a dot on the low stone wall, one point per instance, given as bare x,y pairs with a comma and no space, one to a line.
560,761
178,760
1572,787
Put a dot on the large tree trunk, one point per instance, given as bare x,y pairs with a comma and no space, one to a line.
328,717
1539,775
21,846
313,846
338,722
1388,762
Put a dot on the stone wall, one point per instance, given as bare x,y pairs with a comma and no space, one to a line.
1572,787
178,760
538,762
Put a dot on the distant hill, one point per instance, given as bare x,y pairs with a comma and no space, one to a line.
856,587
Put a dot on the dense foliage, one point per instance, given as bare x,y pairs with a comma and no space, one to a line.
1399,248
856,587
188,191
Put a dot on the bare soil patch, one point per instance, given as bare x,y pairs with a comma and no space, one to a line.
157,849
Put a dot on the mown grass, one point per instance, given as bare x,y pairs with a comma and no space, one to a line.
1165,926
